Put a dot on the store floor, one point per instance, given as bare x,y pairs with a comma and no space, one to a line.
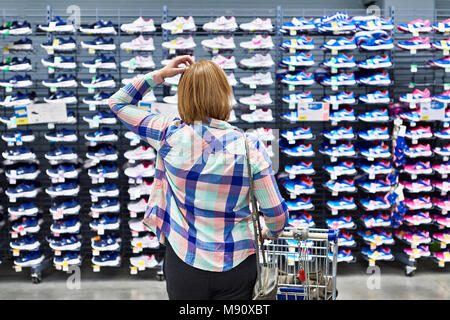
429,282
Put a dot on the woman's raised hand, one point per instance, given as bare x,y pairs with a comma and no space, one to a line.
172,68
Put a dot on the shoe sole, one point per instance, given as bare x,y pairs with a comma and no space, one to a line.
64,192
71,247
104,84
29,263
73,229
106,47
70,211
65,84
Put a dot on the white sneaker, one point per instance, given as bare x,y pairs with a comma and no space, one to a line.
140,44
138,206
232,117
259,99
139,62
137,225
258,42
258,116
141,170
165,62
220,42
180,24
224,62
180,43
147,241
258,79
231,79
145,188
257,25
221,24
141,153
173,80
148,262
266,134
258,61
139,25
171,99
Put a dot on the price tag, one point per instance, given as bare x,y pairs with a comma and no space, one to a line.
51,125
413,176
134,233
441,27
371,262
91,51
215,51
12,199
91,90
333,159
14,234
53,89
413,51
334,193
253,86
334,52
65,266
50,51
334,87
51,70
5,51
413,68
441,264
291,105
95,252
411,85
414,141
371,175
334,106
253,107
291,141
373,246
446,86
92,107
443,245
100,231
334,212
291,68
95,214
92,70
136,250
292,32
58,214
292,50
133,270
18,268
332,141
291,87
96,268
292,176
16,252
334,70
172,51
57,252
141,265
292,196
58,266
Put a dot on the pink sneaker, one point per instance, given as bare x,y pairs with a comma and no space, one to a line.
419,203
443,221
418,218
443,255
443,237
420,251
419,168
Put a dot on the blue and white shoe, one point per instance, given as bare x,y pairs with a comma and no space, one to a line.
376,24
106,171
303,185
342,79
57,25
61,81
31,258
60,62
27,243
108,258
344,185
375,62
16,28
27,208
69,207
103,153
63,189
300,43
363,36
377,203
67,97
441,44
62,154
342,150
100,81
19,135
298,97
60,44
69,225
337,27
381,43
379,79
300,204
416,43
99,43
299,60
440,63
101,62
340,44
378,254
99,27
106,222
375,134
66,171
298,24
103,135
68,257
342,255
334,17
345,203
376,152
300,168
377,97
417,96
343,168
22,153
67,243
100,98
343,115
375,186
442,27
16,64
341,133
19,99
106,205
300,79
416,26
105,190
63,135
107,242
340,223
379,167
297,134
23,190
340,98
23,172
380,115
299,151
290,116
101,117
25,44
341,61
412,116
376,236
27,224
17,81
376,220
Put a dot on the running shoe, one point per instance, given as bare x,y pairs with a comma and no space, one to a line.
341,133
343,115
180,24
378,254
379,133
300,43
300,60
419,151
57,25
378,79
376,62
299,151
300,204
340,44
419,167
342,204
340,98
340,169
341,79
378,167
298,24
376,220
344,185
341,61
341,150
418,218
300,168
416,26
221,24
416,43
376,152
421,185
340,223
298,79
140,25
380,115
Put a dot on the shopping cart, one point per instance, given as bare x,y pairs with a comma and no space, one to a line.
306,260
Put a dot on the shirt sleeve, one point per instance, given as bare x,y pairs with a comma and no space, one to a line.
150,127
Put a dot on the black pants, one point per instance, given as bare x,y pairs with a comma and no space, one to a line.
185,282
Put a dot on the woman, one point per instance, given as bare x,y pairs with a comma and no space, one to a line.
199,205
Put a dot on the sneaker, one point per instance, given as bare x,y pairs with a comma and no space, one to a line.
419,203
342,256
99,43
376,220
416,43
139,62
220,42
378,167
258,79
417,96
31,258
221,24
419,151
60,44
139,190
143,170
19,135
101,62
71,243
140,25
337,27
265,134
149,261
344,185
303,185
418,168
340,98
99,27
67,207
300,168
16,64
299,79
341,79
61,81
103,135
343,115
57,25
106,223
101,117
105,171
69,258
376,236
67,97
375,23
380,115
140,153
443,237
341,133
180,43
62,154
27,208
340,169
443,256
377,97
137,225
379,79
375,203
257,24
376,152
382,43
340,44
16,28
341,61
102,153
63,135
180,24
340,223
258,42
419,133
258,115
252,80
105,190
297,134
23,190
342,150
70,225
139,44
24,44
440,63
66,171
299,151
258,61
375,186
298,97
63,189
107,242
298,24
342,204
418,218
19,99
17,81
147,241
138,206
378,254
225,63
376,62
100,81
299,60
23,172
442,221
100,98
27,243
258,99
415,26
380,133
300,204
300,43
107,259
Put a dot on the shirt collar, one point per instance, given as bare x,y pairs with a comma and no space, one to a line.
219,124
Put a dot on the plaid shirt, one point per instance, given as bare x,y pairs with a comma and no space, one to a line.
200,196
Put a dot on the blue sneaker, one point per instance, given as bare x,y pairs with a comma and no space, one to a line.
417,25
62,154
31,258
298,24
103,135
63,189
16,64
376,236
27,224
290,116
416,43
344,185
342,204
27,208
300,204
343,168
375,62
374,186
340,44
106,205
300,168
19,99
378,254
342,150
17,81
101,62
109,258
103,153
298,79
100,81
23,172
343,115
69,225
342,255
340,98
69,207
60,44
376,203
338,16
22,153
27,243
297,134
303,185
102,117
298,97
61,81
299,60
380,97
441,44
442,27
19,135
346,239
105,190
379,167
23,190
57,25
340,223
375,134
376,24
300,43
16,28
59,62
107,242
382,43
106,171
363,36
100,98
342,79
99,27
376,152
379,79
380,115
341,61
337,27
70,242
63,135
375,220
440,63
105,222
99,43
71,258
341,133
66,171
299,151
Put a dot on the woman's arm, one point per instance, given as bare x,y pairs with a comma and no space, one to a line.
149,126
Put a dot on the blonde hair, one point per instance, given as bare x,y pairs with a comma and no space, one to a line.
204,92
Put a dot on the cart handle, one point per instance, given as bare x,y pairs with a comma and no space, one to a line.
304,234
